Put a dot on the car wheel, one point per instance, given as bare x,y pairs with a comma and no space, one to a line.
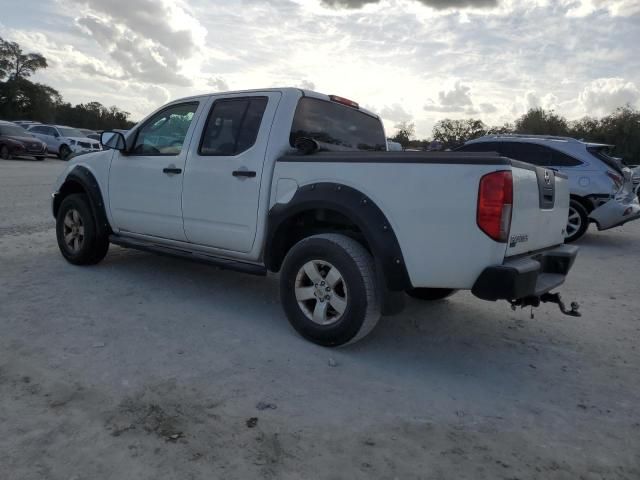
328,290
76,231
5,154
577,223
431,294
64,152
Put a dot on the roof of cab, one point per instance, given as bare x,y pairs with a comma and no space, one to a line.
285,90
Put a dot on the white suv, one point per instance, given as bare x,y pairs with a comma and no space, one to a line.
602,189
64,141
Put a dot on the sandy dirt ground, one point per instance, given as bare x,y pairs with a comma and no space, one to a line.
145,367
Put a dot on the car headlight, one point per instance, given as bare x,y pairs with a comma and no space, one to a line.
72,142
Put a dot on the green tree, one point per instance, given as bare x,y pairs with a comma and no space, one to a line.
16,64
405,131
538,121
453,133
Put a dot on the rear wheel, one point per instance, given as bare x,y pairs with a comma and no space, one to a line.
430,293
5,154
577,223
78,238
328,289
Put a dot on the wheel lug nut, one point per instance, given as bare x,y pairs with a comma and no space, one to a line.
328,297
322,283
328,289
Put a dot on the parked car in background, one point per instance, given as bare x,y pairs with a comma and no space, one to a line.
296,182
602,188
16,141
92,134
393,146
64,141
26,123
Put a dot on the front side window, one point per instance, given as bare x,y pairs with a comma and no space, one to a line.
165,132
232,126
336,126
38,129
481,147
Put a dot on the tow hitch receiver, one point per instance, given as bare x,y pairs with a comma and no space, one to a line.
547,298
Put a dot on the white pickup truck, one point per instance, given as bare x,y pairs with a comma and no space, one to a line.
296,182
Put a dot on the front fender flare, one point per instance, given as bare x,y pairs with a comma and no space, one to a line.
83,177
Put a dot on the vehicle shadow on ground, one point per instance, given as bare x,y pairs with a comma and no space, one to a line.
461,335
616,238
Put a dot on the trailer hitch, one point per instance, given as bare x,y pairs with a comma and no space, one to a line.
547,298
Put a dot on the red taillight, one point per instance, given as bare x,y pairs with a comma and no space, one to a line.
617,179
344,101
495,199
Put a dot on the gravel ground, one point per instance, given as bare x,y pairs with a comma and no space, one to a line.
146,367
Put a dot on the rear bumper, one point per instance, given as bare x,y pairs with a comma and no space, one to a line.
617,211
530,275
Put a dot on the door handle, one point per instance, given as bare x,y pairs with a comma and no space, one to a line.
244,173
172,170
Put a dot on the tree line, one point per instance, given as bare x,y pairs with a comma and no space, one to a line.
22,99
620,128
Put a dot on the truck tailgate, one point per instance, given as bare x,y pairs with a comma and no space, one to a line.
540,209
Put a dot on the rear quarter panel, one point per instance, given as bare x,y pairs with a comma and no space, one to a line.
431,207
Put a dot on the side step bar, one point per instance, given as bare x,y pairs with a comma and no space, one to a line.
199,257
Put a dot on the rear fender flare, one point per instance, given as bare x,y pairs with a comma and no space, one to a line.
359,209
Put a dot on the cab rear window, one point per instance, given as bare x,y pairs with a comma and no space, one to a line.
336,126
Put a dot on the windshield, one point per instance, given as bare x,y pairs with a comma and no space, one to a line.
331,123
602,153
70,132
14,131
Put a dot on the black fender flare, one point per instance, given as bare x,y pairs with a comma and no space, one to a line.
82,177
359,209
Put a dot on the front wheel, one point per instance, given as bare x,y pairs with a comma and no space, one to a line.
5,154
577,223
328,289
78,237
430,294
64,152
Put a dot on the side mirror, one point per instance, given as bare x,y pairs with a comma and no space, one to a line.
113,141
56,135
306,146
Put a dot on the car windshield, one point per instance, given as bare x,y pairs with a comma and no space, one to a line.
70,132
336,126
14,131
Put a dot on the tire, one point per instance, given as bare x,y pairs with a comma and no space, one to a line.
75,221
64,152
431,294
578,221
5,154
327,257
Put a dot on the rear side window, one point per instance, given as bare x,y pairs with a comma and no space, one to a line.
602,154
333,124
232,126
539,155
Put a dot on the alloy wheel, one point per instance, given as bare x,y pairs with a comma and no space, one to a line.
574,222
73,230
321,292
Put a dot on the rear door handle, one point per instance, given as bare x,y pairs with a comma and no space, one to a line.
244,173
172,170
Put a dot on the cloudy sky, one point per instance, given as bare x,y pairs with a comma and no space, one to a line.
417,60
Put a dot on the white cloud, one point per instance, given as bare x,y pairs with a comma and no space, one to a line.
604,95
